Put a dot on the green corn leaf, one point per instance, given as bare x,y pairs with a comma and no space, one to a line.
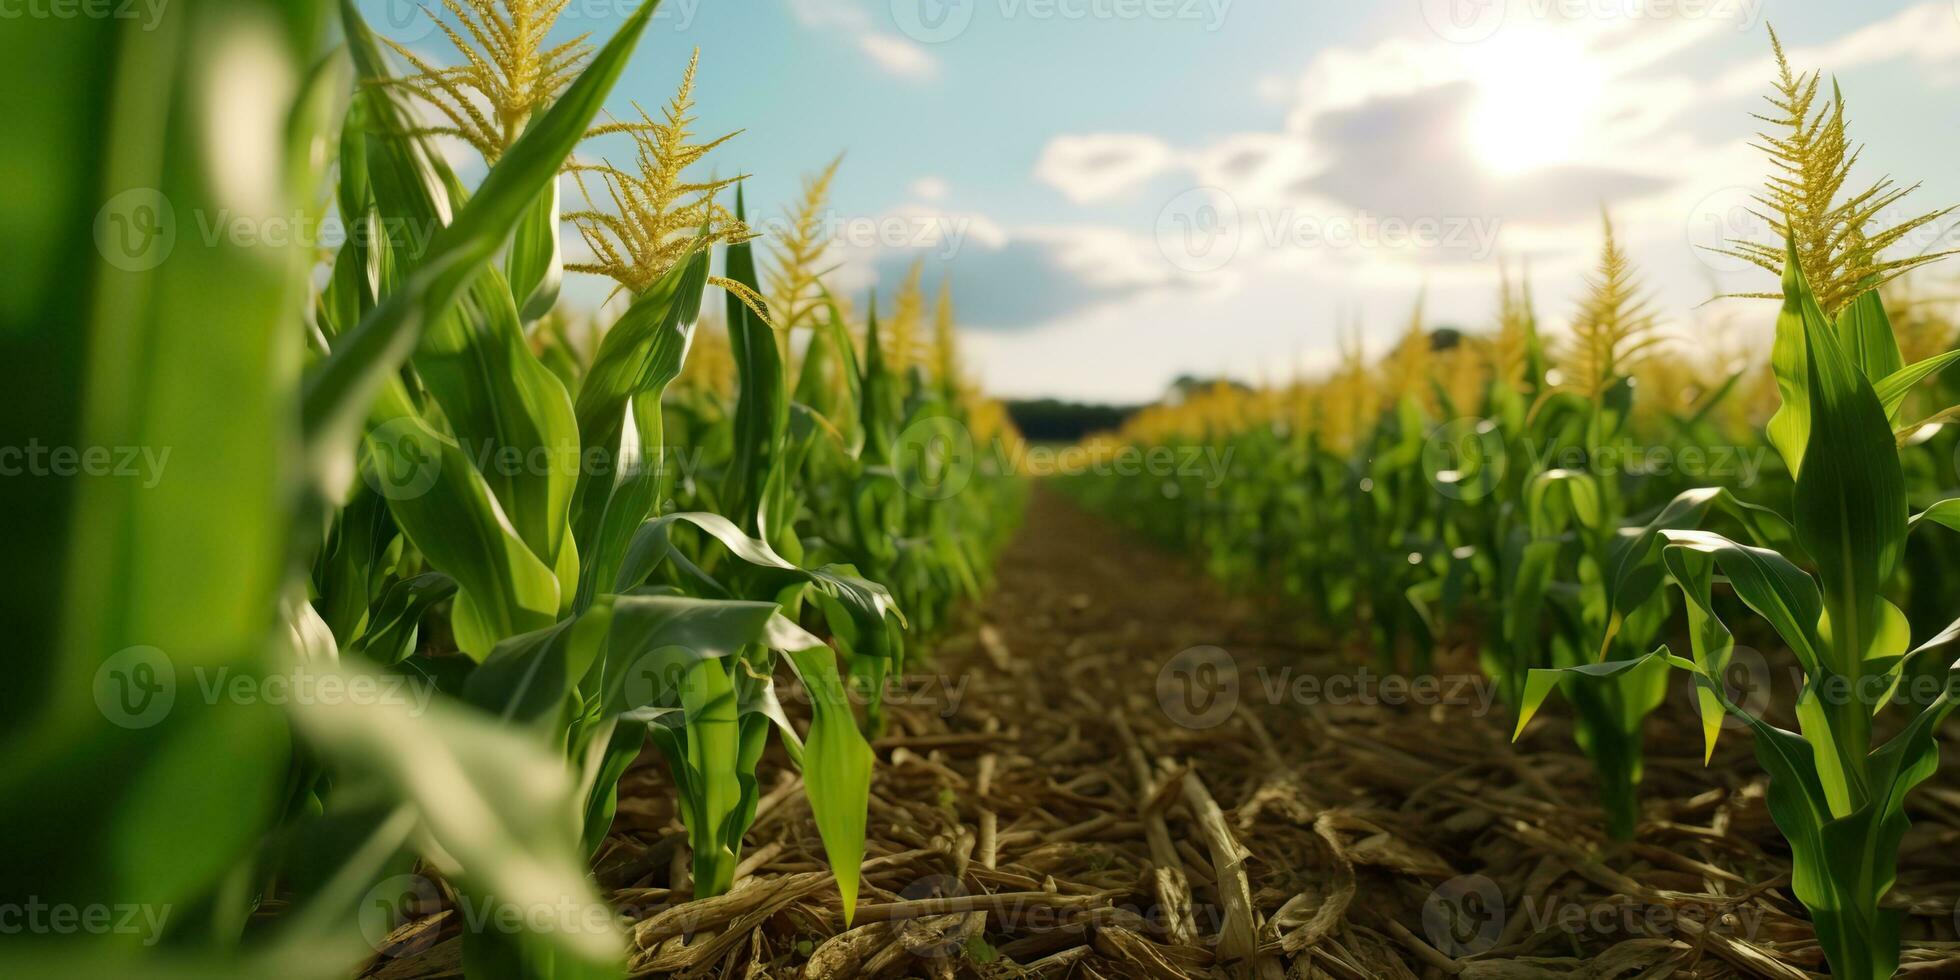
510,412
1789,428
445,507
354,563
867,600
1769,583
536,263
618,411
655,638
526,678
394,622
1555,498
836,759
613,748
337,395
1866,335
829,380
1523,606
655,659
1542,681
1851,504
879,396
762,411
1637,547
1893,388
1842,866
136,342
712,756
1790,601
1945,513
496,805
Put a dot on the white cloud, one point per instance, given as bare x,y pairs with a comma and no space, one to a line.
1927,35
1093,168
891,52
898,56
1058,273
1418,129
931,189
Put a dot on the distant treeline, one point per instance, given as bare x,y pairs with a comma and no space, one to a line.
1050,420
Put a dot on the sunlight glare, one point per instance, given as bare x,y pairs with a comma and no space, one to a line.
1535,92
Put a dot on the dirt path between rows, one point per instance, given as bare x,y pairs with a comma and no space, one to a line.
1117,771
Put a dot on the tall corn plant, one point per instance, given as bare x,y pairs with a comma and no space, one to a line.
1836,794
193,346
1607,608
555,568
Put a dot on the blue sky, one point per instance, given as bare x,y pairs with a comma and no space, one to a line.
1127,190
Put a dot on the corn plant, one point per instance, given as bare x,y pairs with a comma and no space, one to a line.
1590,567
551,568
211,566
343,505
1837,796
1836,793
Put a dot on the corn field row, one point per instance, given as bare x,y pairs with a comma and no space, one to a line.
431,564
1497,495
388,579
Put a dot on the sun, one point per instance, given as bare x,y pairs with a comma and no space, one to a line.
1535,92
